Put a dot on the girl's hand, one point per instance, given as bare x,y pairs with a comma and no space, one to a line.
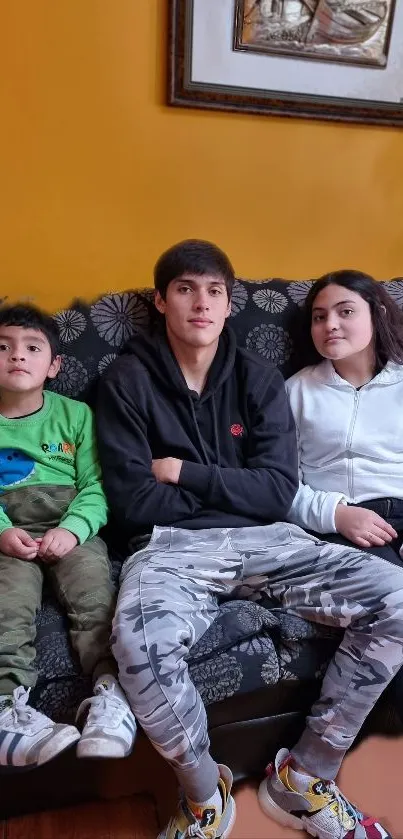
363,527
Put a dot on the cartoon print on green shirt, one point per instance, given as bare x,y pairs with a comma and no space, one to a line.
15,467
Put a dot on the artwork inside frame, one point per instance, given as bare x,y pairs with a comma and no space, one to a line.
205,70
350,31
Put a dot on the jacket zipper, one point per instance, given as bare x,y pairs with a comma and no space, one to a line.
348,446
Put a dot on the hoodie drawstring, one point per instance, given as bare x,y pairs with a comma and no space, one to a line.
215,432
215,427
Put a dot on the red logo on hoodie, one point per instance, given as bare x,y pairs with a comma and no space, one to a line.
236,429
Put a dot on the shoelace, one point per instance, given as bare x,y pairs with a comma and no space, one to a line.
194,830
102,705
20,711
345,808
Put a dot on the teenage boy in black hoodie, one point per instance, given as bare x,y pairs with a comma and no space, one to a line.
199,458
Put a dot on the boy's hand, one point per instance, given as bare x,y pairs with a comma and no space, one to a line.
18,543
56,543
363,527
167,469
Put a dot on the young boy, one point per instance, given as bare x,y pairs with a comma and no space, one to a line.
197,438
52,506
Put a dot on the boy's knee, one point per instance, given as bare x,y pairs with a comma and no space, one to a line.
386,595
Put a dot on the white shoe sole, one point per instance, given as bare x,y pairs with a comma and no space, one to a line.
231,822
227,830
93,749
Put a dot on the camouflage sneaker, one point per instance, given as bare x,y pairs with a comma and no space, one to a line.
321,809
207,823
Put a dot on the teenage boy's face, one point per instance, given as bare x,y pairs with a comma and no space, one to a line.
195,309
25,360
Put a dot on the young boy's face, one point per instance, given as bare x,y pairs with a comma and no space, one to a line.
195,309
25,360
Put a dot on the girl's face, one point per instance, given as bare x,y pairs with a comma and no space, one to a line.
341,323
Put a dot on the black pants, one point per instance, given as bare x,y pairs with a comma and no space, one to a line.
390,509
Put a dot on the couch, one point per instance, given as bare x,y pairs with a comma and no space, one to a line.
258,669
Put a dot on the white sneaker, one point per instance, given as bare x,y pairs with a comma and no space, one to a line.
110,727
27,737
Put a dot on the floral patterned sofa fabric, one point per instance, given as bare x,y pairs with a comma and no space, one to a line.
93,334
263,316
250,645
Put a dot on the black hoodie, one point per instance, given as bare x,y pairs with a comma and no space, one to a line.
236,440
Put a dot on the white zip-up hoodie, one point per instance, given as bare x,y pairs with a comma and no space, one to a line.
350,441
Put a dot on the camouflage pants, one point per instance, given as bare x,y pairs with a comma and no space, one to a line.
169,597
81,580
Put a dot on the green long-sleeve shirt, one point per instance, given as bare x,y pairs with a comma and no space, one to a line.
55,446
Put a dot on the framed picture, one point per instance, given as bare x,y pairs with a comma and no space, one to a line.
322,59
353,32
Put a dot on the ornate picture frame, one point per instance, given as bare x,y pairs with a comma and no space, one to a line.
210,67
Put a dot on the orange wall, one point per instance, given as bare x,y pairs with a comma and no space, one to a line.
98,176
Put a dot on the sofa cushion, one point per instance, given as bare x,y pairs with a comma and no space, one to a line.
247,647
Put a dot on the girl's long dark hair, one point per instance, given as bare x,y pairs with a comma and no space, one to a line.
387,318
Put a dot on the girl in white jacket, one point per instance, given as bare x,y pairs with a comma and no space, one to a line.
348,410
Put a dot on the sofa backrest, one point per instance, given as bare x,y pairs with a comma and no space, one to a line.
264,317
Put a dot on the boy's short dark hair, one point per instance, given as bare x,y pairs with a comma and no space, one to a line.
30,317
193,256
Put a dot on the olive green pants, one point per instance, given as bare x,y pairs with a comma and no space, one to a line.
81,580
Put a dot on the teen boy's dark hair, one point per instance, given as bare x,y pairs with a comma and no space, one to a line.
30,317
193,256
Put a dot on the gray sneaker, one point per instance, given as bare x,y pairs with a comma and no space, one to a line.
27,737
321,809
